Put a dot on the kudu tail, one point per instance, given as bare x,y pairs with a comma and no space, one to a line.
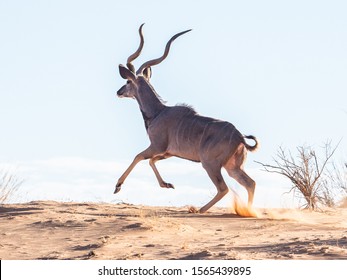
249,147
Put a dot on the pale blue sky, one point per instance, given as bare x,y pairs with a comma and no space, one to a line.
274,69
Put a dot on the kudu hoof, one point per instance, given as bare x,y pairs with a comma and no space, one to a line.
193,210
169,186
118,187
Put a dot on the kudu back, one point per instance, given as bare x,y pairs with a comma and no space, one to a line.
180,131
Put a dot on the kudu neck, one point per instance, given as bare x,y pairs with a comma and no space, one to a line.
149,102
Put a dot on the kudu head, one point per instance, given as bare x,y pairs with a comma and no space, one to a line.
136,79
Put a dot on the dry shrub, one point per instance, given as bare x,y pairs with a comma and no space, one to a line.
308,173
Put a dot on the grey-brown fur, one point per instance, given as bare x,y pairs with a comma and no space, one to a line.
179,131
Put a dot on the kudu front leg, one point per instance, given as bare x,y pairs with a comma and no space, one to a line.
148,153
161,182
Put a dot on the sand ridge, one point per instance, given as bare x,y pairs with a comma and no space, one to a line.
55,230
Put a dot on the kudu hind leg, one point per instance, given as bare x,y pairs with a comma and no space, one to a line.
161,182
242,178
216,176
148,153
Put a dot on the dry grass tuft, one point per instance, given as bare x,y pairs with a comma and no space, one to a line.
9,184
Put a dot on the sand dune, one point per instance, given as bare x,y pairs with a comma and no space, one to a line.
54,230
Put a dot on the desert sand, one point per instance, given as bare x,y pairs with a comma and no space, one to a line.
55,230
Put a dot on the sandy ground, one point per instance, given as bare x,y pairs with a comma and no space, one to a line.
54,230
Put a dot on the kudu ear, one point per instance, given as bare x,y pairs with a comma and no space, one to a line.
147,73
126,73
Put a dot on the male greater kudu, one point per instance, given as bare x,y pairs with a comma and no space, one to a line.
179,131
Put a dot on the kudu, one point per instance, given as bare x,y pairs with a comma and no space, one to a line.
179,131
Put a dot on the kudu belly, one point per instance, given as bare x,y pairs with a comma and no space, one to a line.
204,139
